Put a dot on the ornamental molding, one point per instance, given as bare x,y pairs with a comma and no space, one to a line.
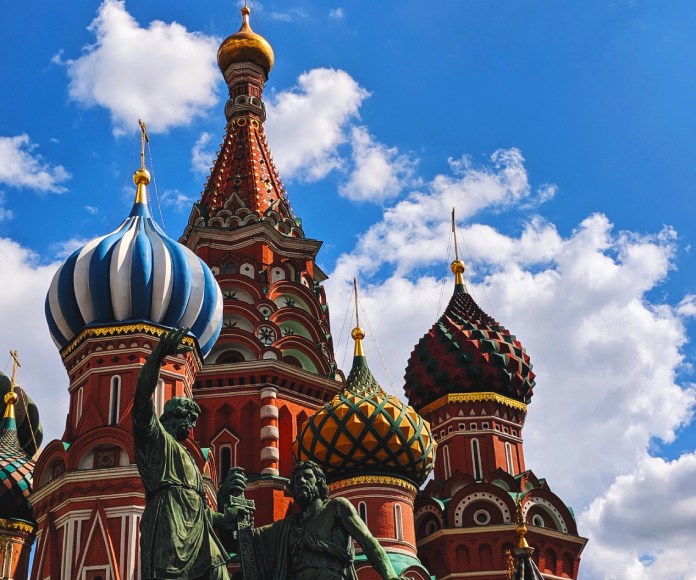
121,330
473,398
15,526
371,479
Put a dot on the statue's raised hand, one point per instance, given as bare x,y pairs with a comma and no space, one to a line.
170,343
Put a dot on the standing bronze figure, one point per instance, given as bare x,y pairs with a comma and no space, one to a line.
176,531
315,544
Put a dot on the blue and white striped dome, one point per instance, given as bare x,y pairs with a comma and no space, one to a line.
136,273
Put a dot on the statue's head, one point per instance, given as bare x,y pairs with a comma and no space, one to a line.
179,417
308,482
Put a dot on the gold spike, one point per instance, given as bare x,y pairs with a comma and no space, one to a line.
357,333
457,266
11,398
141,177
521,527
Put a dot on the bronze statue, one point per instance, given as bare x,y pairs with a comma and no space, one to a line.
176,530
314,544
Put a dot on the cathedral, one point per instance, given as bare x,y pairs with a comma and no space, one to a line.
439,477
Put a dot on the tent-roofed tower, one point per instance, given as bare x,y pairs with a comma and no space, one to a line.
273,364
472,380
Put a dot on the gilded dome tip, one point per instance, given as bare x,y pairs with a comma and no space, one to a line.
141,177
246,46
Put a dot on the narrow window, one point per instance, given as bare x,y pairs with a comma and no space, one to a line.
508,458
225,461
476,458
115,401
362,511
398,522
158,397
446,462
78,414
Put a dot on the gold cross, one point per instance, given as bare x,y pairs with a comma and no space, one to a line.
15,364
144,138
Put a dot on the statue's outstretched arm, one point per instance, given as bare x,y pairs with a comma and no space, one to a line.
354,525
169,344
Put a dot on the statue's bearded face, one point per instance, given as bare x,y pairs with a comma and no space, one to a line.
180,422
305,486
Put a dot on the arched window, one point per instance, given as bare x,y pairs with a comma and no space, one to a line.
446,462
115,400
225,461
398,522
508,459
78,410
232,356
476,459
362,511
158,398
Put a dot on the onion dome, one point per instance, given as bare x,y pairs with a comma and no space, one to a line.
16,466
363,430
135,274
245,46
467,351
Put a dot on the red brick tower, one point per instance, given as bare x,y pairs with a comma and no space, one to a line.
472,380
106,307
273,364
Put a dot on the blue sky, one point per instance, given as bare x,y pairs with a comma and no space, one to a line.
563,133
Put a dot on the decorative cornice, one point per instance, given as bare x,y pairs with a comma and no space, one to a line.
372,479
16,526
120,330
473,398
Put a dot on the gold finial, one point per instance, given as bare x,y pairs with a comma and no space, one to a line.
141,177
510,562
457,266
245,17
521,527
357,333
11,398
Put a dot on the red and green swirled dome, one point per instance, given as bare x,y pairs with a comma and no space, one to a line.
467,351
365,431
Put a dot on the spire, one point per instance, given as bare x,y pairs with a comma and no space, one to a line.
357,333
11,398
457,266
244,185
522,567
141,177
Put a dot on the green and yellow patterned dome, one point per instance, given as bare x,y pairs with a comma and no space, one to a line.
365,431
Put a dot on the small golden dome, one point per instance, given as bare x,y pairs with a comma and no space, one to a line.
357,333
141,176
457,267
245,46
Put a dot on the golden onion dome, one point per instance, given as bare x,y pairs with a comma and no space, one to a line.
363,430
245,46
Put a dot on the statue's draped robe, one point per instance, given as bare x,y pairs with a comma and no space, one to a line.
275,544
176,531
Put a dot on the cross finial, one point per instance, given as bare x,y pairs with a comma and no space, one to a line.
454,234
144,138
15,365
358,333
357,310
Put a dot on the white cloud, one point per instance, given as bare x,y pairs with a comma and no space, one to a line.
606,357
163,74
307,124
336,14
202,157
290,15
91,210
687,307
20,166
63,250
24,329
5,214
643,525
179,201
378,172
